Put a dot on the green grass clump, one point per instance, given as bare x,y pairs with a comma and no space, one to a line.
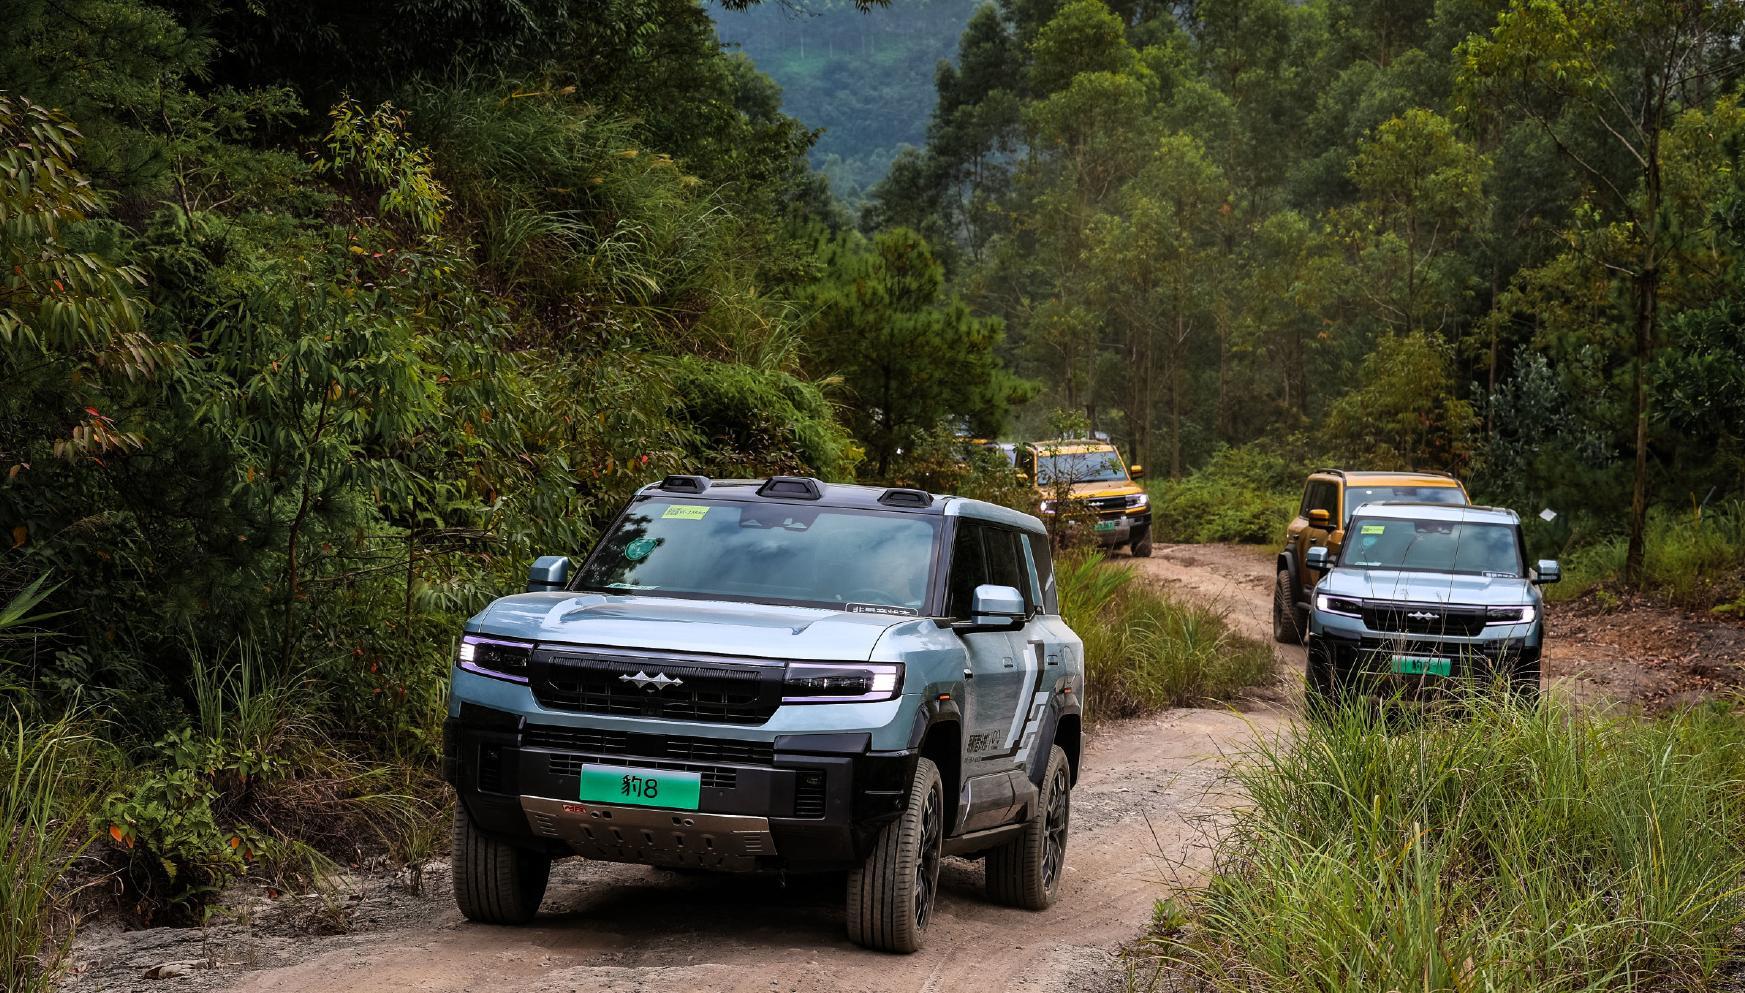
1694,561
1144,651
1247,494
41,833
1511,849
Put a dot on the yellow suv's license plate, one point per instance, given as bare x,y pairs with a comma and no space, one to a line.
1103,526
1418,665
641,787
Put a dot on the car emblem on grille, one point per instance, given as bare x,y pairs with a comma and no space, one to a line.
1421,615
657,682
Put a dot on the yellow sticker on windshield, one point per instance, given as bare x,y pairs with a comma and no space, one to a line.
685,512
1373,528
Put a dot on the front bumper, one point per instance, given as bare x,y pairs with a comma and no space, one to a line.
1112,530
805,802
1359,659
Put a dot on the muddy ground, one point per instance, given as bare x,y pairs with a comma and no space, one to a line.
1145,815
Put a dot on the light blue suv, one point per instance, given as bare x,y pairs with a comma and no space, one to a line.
1422,595
780,674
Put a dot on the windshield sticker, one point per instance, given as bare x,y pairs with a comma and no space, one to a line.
638,550
684,512
1372,529
1500,575
879,608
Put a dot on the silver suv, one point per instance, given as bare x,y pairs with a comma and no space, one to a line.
1424,594
780,674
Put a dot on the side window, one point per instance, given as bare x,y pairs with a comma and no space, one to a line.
969,569
1044,559
1309,491
1322,496
1006,561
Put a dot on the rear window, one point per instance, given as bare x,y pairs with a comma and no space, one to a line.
1357,496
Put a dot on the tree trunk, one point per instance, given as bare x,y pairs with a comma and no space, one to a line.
1646,290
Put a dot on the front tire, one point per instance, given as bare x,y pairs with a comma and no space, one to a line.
1142,544
495,882
1286,630
891,896
1026,871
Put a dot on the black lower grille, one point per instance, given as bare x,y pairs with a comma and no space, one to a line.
809,794
714,777
491,768
599,742
1460,622
724,693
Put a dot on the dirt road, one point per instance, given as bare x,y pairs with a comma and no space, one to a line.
1151,799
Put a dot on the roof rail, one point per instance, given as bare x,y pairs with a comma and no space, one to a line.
685,484
1330,472
903,496
792,488
1434,472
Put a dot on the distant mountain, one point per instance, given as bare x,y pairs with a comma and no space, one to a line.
866,78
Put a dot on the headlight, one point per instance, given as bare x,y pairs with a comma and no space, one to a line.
1138,501
1048,506
842,682
1510,615
498,658
1343,606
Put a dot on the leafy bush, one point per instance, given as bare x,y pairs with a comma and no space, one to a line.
1244,494
1144,651
1693,561
1510,849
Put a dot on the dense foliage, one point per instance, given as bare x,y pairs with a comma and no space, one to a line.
1495,237
319,319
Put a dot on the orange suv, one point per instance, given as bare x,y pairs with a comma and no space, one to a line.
1330,497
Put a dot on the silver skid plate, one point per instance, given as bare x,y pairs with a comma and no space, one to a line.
652,837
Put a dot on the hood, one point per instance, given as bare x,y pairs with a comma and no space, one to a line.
1428,587
693,626
1105,488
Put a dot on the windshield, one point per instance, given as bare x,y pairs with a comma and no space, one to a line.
1080,467
1433,546
1357,496
768,553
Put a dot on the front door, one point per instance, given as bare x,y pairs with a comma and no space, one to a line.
994,663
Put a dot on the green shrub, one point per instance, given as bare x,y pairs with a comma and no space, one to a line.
1245,494
1144,651
1693,561
1511,849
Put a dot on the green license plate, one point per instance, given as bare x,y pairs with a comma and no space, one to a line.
1103,526
1415,665
641,787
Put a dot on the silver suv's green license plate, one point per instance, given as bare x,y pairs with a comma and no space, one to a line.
641,787
1418,665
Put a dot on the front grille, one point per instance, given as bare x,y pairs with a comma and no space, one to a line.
809,794
1436,619
723,693
717,777
598,742
1104,505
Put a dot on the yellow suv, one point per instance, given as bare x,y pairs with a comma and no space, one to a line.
1091,480
1330,497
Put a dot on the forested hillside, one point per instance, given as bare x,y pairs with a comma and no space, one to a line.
1501,239
865,77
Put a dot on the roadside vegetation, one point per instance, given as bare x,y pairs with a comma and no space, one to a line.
1695,560
1145,651
1506,848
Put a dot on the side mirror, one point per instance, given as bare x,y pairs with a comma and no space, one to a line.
1320,560
1320,519
1135,472
1548,571
549,572
995,608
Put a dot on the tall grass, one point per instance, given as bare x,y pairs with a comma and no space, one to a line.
1512,849
1144,651
41,821
1693,560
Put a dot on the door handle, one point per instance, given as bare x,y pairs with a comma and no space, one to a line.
1008,662
969,674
